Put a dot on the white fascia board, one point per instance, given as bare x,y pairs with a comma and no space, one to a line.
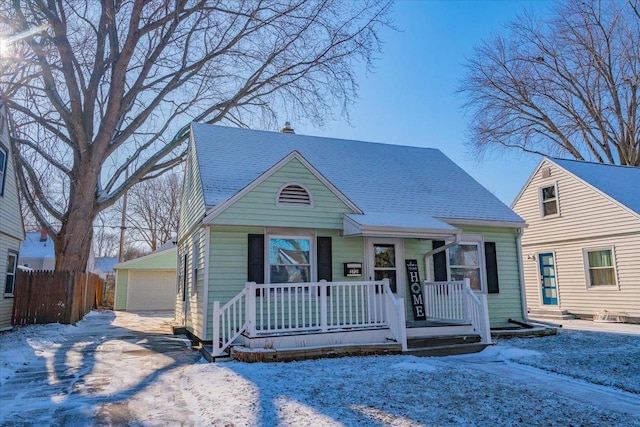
221,207
485,223
526,185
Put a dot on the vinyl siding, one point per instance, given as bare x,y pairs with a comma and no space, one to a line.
587,219
122,281
507,304
192,208
258,207
11,216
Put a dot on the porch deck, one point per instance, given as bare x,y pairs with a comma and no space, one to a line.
303,320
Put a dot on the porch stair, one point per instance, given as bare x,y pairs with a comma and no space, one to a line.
445,345
550,314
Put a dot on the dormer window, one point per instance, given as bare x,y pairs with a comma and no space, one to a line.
549,201
294,195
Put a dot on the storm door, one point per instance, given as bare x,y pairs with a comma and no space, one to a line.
548,279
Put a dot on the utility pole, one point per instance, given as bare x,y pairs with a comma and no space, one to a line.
122,220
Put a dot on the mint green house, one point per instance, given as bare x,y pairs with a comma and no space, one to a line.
289,242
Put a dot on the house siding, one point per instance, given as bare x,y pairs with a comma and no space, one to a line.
507,304
11,227
192,207
587,219
120,298
258,207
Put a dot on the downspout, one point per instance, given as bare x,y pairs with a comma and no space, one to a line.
456,239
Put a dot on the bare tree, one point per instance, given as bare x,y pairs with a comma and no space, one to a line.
566,86
113,85
153,209
105,238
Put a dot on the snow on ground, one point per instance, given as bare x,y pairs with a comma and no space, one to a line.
106,371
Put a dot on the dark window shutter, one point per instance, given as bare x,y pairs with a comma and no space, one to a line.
440,263
255,265
325,268
492,267
323,258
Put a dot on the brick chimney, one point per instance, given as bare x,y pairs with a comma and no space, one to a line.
43,234
287,128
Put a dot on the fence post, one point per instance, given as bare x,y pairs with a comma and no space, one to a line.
402,324
323,306
216,327
251,308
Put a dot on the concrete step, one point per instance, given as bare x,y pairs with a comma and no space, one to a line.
447,350
550,314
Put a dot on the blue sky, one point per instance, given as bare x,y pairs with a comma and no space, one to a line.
411,100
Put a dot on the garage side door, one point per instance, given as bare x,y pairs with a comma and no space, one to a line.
151,290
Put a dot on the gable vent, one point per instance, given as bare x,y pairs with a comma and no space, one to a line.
294,194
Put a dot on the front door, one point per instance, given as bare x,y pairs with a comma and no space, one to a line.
385,261
548,279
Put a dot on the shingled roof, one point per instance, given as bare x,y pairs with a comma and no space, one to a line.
378,178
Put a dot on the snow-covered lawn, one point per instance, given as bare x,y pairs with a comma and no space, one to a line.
125,382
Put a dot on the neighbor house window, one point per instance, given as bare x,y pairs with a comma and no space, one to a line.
3,169
464,263
12,264
599,265
549,200
289,259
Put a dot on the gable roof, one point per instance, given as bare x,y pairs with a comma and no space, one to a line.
273,169
166,259
621,183
31,247
377,178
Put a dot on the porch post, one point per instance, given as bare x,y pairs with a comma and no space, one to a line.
402,324
467,300
216,327
323,306
251,308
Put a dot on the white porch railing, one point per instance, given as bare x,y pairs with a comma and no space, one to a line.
456,302
299,308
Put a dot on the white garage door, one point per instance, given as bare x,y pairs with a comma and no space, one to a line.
151,290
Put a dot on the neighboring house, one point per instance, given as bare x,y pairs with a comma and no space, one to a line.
581,249
148,282
11,226
37,251
271,208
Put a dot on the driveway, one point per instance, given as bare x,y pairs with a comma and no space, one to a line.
83,376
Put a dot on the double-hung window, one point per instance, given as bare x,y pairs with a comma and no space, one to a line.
549,200
600,267
290,259
464,263
12,265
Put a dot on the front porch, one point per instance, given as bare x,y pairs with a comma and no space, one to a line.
289,321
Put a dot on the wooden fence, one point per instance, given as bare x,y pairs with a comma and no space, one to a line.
55,296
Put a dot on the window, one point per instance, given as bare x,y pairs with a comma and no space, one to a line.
12,263
289,260
464,263
599,266
294,195
384,266
549,200
3,169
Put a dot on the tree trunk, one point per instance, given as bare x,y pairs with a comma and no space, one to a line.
73,243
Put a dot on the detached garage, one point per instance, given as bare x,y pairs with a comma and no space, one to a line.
148,282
